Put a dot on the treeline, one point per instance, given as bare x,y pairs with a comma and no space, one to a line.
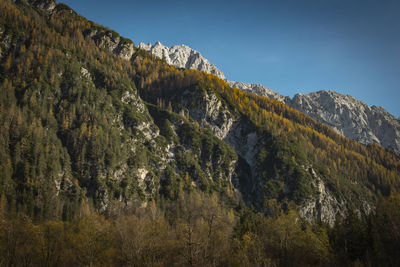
199,230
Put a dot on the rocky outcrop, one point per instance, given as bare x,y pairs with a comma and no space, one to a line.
243,137
112,42
5,43
209,111
326,207
182,56
46,5
351,117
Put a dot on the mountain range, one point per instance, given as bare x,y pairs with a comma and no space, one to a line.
344,113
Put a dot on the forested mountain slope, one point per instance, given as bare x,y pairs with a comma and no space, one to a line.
80,119
92,124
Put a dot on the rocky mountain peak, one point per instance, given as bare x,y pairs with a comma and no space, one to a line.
351,117
182,56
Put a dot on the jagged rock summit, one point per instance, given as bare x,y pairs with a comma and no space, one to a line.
351,117
182,56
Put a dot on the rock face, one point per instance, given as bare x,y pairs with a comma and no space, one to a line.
325,206
212,113
114,43
247,143
182,56
47,5
351,117
5,42
209,111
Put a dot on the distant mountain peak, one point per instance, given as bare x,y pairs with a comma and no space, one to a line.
351,117
182,56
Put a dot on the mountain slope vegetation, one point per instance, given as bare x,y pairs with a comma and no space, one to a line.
134,162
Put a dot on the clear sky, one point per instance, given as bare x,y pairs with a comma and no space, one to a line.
290,46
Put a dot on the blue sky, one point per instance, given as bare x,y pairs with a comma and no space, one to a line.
290,46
